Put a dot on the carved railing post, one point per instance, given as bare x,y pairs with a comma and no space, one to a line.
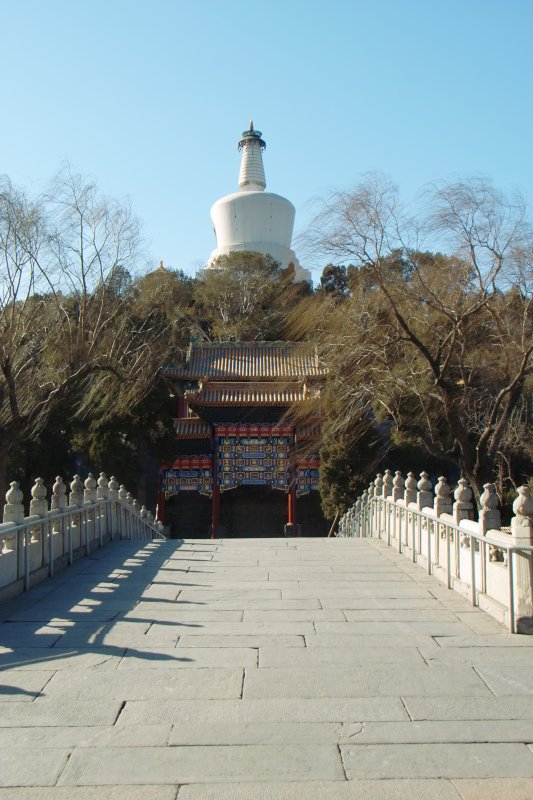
463,507
388,482
38,504
112,493
398,486
58,503
38,508
443,502
490,517
522,533
425,492
102,487
75,499
59,495
14,507
125,528
365,519
411,486
89,494
14,512
378,505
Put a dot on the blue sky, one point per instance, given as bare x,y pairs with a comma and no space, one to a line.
149,99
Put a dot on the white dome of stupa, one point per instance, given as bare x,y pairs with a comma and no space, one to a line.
252,219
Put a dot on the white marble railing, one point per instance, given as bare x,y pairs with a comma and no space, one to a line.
479,559
32,547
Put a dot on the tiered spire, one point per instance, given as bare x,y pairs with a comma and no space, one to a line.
252,174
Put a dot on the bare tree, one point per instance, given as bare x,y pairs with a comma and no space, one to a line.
441,344
65,330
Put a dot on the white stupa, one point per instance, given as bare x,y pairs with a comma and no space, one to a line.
252,219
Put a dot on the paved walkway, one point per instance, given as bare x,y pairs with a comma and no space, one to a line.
260,669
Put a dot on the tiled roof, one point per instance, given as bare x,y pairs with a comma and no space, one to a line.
221,393
192,428
248,361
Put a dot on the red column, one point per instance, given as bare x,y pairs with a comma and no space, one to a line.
291,504
291,497
215,502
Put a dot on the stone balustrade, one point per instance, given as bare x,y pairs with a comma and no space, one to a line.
438,528
52,536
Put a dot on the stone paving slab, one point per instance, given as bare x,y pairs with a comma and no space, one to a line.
408,629
503,681
70,736
293,615
437,761
353,790
203,764
360,682
229,733
426,732
316,657
249,640
16,686
253,628
392,640
143,684
495,789
478,656
57,658
181,614
59,712
242,668
91,793
496,640
27,768
256,602
382,603
263,710
193,658
469,708
417,615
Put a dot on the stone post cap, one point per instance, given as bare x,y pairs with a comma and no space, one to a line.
14,509
489,500
76,486
442,489
38,490
123,493
113,485
90,482
59,486
424,484
523,504
411,482
14,494
463,492
398,480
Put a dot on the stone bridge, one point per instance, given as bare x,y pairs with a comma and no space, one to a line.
259,668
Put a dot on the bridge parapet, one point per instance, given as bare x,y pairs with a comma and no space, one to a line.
33,547
491,565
